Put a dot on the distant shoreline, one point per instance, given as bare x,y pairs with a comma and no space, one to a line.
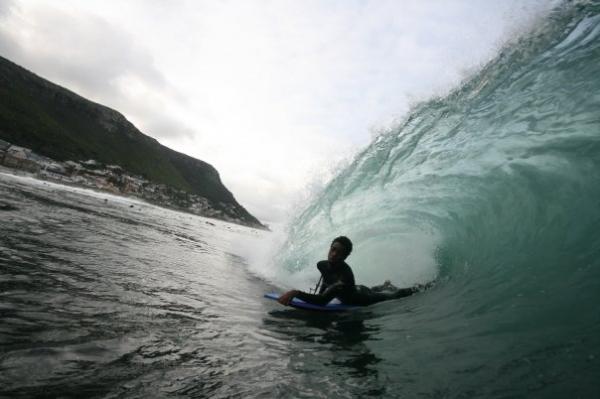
14,172
60,136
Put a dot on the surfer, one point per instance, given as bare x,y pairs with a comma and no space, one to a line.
337,281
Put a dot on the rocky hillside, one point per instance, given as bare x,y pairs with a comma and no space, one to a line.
62,125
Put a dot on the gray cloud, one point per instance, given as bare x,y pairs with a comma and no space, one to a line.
5,7
92,56
281,89
163,126
7,44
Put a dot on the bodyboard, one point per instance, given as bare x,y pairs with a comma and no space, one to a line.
333,306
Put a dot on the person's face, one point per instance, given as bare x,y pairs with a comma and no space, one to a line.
337,253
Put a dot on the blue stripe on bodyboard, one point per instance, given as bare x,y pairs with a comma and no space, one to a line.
300,304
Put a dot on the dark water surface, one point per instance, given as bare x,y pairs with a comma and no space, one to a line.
123,299
494,190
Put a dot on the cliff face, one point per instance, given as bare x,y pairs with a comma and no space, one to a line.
62,125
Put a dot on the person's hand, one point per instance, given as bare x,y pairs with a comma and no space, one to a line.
286,298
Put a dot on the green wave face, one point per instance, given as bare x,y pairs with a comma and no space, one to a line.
494,189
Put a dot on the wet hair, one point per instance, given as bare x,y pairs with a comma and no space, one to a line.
346,243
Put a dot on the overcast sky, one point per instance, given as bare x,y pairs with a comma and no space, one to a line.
274,94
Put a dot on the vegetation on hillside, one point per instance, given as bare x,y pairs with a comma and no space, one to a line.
62,125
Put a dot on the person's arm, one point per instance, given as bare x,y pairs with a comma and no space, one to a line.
315,299
402,292
321,299
286,298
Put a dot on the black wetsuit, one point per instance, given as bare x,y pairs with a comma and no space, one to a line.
338,282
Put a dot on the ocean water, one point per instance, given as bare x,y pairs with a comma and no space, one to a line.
493,192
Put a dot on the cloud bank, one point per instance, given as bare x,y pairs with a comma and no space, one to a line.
272,93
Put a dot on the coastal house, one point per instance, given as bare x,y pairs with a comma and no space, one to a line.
21,158
53,170
116,169
73,168
131,184
54,167
48,175
81,180
91,164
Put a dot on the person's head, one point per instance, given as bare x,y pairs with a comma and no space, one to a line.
339,250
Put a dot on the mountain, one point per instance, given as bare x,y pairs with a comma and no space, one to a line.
59,124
